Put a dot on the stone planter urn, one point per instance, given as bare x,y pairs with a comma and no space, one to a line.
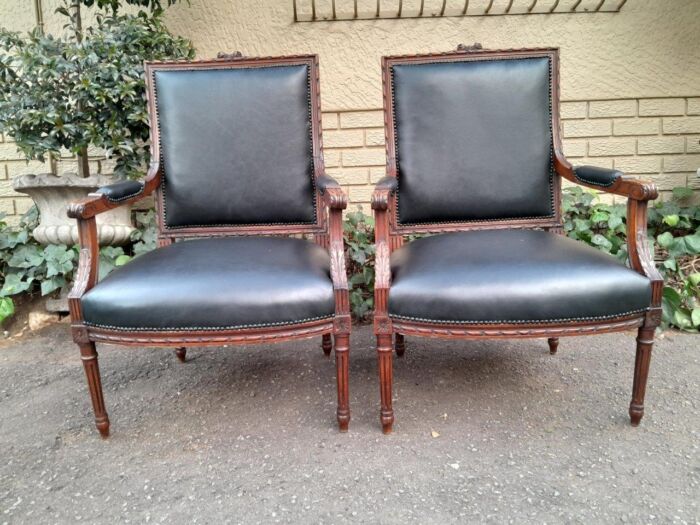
52,194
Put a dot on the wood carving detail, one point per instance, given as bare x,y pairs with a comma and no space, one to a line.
382,265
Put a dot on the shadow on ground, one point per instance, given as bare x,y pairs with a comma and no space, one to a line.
247,435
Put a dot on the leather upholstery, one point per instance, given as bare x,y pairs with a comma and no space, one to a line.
236,145
597,176
215,283
510,276
324,182
387,183
120,191
473,140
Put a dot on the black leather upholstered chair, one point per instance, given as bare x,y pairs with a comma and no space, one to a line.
474,156
237,167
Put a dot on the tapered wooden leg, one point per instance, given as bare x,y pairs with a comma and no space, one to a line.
342,351
88,354
553,344
327,344
181,354
385,356
399,344
645,340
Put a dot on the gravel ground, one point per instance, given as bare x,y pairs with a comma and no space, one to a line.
494,432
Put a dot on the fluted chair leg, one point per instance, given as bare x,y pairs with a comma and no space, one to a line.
327,344
399,344
342,351
645,341
88,354
385,357
181,354
553,345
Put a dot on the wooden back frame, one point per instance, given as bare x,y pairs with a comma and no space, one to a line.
389,235
327,231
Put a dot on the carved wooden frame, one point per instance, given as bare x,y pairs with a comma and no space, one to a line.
327,231
389,235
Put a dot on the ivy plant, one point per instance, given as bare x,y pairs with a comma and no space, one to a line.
359,248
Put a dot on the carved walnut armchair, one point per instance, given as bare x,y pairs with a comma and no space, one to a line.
474,156
237,168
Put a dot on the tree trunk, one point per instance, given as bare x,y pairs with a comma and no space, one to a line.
83,166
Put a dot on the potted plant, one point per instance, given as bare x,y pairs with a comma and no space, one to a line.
81,92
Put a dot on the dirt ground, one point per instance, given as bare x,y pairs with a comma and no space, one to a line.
492,432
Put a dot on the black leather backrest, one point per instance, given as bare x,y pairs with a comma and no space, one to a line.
473,140
235,145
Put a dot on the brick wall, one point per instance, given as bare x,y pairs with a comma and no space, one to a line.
654,138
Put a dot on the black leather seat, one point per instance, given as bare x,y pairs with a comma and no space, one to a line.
209,284
510,276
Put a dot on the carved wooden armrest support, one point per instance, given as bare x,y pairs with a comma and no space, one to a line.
115,195
331,193
382,269
335,199
383,191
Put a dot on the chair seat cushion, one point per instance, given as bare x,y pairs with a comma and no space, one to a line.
218,283
511,276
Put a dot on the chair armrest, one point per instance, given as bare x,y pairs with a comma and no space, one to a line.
638,194
120,191
85,210
335,199
115,195
607,180
382,191
331,193
594,176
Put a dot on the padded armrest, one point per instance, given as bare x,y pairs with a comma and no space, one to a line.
384,188
324,183
121,190
602,177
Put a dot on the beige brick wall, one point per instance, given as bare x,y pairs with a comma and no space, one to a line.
655,138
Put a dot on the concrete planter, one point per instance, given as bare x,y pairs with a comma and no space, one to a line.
52,194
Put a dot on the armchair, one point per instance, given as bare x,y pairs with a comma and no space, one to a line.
237,169
474,156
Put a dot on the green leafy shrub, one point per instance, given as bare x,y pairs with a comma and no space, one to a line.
84,89
359,248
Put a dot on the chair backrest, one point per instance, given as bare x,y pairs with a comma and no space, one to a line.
237,141
470,135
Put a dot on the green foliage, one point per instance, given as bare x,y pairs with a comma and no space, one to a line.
674,231
26,266
359,248
64,93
